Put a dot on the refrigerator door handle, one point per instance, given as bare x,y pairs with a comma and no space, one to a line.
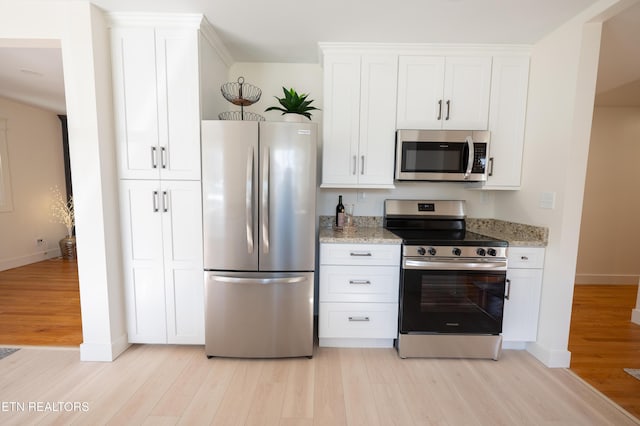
265,201
249,201
235,280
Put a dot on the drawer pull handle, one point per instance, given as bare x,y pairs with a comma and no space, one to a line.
359,319
524,258
361,253
359,282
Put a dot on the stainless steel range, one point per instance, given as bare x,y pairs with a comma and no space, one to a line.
452,285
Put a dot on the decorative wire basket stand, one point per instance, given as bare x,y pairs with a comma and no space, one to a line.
240,115
241,94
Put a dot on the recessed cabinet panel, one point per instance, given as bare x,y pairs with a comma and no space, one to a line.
359,120
420,89
341,119
178,89
134,64
466,93
145,307
157,104
509,88
377,119
162,240
523,292
443,92
185,307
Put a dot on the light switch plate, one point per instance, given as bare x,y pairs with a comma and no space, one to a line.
547,200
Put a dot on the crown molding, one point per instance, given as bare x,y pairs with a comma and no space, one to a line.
210,34
162,20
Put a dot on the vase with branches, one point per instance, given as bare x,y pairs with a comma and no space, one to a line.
62,211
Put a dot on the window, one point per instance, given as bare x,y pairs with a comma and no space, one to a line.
5,181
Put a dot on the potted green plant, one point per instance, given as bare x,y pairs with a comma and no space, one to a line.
293,103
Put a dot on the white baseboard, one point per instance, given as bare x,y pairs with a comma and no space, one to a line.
606,279
16,262
105,352
550,358
635,316
514,345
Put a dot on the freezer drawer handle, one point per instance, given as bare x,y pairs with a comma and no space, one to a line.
235,280
360,253
359,282
524,258
359,319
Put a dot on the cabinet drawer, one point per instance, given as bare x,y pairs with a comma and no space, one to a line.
358,320
359,283
360,254
526,257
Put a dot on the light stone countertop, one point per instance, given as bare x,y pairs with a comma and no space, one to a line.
359,235
369,230
517,234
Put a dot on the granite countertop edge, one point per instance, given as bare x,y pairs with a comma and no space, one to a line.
369,230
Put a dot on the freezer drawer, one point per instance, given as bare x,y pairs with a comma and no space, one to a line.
259,315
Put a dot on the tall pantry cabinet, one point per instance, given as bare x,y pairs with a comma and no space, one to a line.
157,98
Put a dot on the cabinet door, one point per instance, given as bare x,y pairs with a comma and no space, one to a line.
378,82
520,317
341,120
420,88
509,86
466,93
136,114
140,203
181,206
178,103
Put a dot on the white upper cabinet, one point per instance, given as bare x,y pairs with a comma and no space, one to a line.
443,92
359,120
156,96
509,86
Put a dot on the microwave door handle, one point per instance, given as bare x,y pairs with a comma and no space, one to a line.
469,140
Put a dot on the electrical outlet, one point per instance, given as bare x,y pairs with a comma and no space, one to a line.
40,242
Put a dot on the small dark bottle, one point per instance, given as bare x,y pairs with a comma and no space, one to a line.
340,213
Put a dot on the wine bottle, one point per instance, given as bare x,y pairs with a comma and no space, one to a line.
340,213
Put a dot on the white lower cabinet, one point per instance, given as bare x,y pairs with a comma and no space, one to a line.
522,297
162,245
359,285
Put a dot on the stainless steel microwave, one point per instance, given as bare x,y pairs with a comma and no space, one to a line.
442,155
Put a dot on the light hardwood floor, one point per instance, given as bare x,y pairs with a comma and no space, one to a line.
603,341
159,385
40,304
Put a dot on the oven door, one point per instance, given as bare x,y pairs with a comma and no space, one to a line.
461,297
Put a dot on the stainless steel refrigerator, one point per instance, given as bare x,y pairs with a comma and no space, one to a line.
259,203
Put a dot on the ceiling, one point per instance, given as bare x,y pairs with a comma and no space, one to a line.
289,31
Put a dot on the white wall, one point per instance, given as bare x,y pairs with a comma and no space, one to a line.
559,110
308,78
35,160
610,230
83,37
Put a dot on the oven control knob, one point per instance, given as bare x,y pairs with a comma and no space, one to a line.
421,251
432,251
491,252
481,252
456,251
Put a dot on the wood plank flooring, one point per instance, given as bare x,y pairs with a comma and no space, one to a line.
174,385
603,341
40,304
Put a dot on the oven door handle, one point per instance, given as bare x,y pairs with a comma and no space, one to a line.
455,264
